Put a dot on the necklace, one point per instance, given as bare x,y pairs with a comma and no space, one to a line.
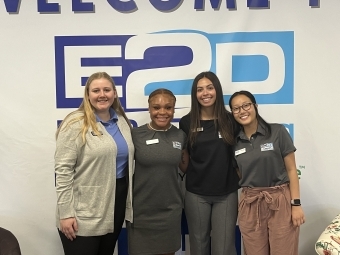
159,129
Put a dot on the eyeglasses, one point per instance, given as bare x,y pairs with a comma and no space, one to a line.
245,106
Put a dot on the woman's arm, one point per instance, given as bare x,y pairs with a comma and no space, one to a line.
238,173
298,216
183,165
65,160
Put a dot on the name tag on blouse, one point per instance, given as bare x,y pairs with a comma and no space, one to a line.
267,147
241,151
152,141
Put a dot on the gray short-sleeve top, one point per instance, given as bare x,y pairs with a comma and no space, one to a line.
260,159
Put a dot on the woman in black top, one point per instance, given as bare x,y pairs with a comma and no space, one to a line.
211,182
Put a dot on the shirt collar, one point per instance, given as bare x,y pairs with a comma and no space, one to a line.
260,130
113,116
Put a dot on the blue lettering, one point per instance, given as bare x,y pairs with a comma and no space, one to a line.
314,3
43,6
257,3
168,5
79,6
231,4
215,4
129,6
12,6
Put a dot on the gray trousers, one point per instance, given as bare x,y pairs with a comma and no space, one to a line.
215,217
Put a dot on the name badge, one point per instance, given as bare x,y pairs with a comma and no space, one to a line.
241,151
200,129
152,141
267,147
177,145
94,134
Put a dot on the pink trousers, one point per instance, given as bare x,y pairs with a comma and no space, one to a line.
265,221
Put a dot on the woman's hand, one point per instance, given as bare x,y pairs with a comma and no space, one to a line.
298,217
69,226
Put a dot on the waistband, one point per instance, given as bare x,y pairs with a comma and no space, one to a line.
265,193
270,190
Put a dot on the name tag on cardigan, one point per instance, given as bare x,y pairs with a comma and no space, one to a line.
152,141
94,134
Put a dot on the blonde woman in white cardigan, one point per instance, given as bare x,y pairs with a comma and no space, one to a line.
94,168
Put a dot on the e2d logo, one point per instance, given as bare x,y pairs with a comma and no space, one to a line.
261,62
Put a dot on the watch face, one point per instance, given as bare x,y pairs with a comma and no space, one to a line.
296,201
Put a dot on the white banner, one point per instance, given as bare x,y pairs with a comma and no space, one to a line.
285,52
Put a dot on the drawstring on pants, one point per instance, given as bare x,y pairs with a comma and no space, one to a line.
257,194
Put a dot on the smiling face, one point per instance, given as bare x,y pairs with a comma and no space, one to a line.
244,117
205,93
162,109
101,95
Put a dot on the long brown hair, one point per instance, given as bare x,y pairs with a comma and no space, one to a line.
223,120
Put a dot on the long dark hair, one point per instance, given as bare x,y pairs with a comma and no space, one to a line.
223,120
258,116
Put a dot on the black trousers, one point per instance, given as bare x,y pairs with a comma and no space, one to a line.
105,244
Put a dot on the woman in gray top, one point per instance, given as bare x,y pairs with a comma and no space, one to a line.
270,210
157,199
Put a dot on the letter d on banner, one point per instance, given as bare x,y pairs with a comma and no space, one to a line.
261,62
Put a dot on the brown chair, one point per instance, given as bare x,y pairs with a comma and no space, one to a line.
9,244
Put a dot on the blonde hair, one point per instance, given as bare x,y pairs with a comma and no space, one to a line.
87,110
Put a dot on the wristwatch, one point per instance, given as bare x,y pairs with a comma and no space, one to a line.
295,202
